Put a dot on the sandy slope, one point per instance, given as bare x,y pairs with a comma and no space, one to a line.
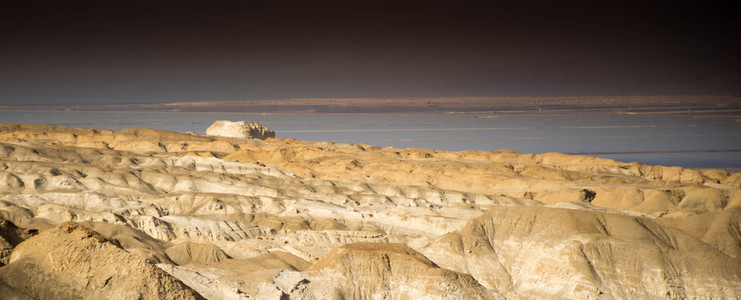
235,218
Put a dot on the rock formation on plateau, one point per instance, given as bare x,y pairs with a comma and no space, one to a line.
241,129
141,213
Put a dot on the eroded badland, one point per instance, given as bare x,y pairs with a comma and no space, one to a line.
143,213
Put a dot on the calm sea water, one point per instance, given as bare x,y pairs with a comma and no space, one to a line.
694,141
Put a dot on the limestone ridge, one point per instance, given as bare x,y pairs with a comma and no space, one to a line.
555,251
239,218
388,270
72,262
241,129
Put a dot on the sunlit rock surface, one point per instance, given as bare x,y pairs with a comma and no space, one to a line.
72,262
236,218
241,129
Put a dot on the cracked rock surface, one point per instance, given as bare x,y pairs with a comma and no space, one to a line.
189,216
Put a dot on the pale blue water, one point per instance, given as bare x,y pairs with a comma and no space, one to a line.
688,138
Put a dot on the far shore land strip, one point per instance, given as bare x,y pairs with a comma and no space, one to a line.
494,105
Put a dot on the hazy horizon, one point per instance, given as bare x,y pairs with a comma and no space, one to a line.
84,53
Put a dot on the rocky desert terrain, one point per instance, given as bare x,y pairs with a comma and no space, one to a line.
141,213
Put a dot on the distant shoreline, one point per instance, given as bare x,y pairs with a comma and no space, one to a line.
477,105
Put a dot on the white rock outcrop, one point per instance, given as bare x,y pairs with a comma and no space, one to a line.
242,129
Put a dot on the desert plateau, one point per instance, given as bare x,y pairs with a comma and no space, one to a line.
147,214
370,150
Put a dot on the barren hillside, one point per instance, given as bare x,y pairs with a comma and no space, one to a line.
148,213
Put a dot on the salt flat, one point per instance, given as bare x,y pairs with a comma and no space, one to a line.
187,215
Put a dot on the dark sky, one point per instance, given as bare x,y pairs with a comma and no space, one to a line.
104,52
